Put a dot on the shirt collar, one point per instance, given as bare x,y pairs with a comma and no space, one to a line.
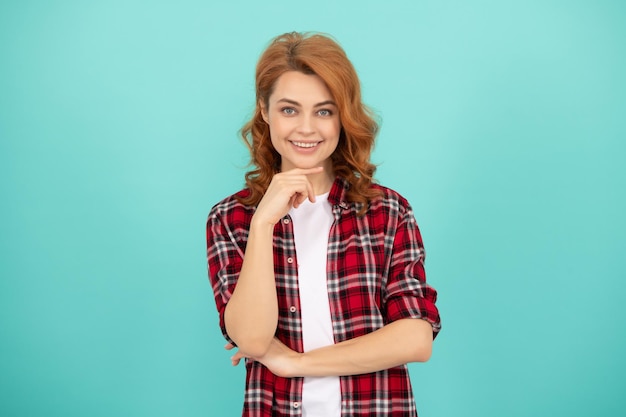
338,193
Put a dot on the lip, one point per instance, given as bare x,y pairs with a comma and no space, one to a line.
304,145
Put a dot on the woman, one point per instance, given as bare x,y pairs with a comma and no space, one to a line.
318,272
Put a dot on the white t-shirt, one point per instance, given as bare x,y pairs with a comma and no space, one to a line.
321,396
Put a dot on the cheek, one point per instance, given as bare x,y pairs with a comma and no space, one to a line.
330,129
278,128
273,131
336,130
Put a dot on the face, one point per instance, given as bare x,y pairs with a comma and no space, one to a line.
304,121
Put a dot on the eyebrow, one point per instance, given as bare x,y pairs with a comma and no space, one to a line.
295,103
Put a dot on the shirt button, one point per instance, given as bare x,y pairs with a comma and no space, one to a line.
292,309
296,405
286,220
290,260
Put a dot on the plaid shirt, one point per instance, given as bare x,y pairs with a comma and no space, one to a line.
375,275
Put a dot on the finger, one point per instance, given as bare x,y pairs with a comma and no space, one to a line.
306,171
310,191
299,199
293,201
229,346
306,192
237,357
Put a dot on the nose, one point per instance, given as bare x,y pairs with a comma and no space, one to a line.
306,125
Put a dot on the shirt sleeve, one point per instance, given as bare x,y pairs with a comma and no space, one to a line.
407,293
225,258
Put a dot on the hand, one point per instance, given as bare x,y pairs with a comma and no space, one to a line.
237,357
279,359
288,189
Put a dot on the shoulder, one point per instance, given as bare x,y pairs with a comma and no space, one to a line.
231,209
389,199
395,209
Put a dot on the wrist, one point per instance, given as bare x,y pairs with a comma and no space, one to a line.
260,225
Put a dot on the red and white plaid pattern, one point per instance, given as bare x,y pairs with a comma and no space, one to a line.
375,274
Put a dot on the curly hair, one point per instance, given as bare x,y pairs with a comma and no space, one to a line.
320,55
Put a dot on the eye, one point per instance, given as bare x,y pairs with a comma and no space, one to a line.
289,111
325,112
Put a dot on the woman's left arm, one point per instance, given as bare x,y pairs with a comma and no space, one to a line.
398,343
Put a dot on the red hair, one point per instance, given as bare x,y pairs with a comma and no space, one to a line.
320,55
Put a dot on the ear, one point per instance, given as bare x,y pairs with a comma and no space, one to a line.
263,111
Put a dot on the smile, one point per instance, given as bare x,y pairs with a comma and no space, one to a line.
306,144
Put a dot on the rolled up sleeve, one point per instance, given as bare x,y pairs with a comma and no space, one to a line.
407,294
225,258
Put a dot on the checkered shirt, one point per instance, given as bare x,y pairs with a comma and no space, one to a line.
375,275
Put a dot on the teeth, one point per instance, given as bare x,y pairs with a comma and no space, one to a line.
305,144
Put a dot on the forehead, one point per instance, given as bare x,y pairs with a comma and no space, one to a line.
300,87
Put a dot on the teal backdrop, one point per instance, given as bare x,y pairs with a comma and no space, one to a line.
503,124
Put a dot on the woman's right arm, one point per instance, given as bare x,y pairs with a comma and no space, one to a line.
251,315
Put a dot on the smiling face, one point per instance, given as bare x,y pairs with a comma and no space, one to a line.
303,120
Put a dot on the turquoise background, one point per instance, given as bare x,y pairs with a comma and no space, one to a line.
503,124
